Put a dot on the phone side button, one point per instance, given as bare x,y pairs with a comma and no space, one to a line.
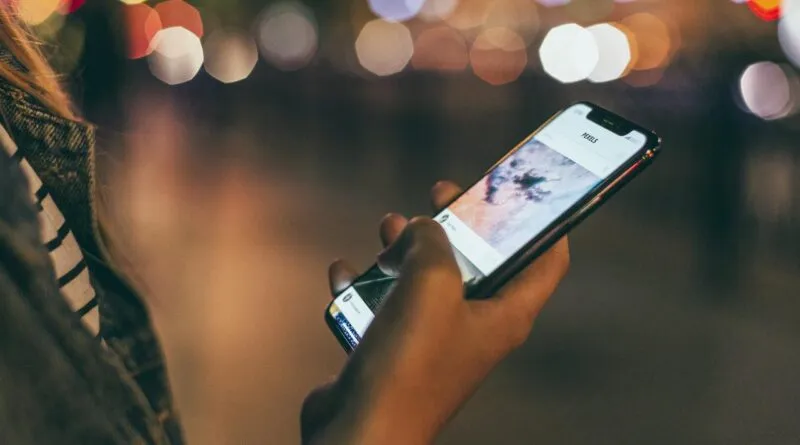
576,218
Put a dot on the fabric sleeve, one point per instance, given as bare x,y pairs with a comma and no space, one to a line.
54,384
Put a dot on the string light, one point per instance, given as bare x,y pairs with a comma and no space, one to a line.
569,53
287,35
768,10
396,10
36,12
614,51
437,10
230,56
178,13
141,25
766,90
384,48
652,39
498,56
789,32
520,16
177,55
441,48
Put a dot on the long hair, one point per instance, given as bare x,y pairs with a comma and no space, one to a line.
37,79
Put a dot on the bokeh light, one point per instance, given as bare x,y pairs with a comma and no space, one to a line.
552,3
141,25
178,13
789,34
520,16
441,49
652,39
587,11
766,9
468,14
790,7
177,55
230,56
436,10
498,56
133,2
34,12
569,53
287,35
614,50
70,6
766,90
384,48
396,10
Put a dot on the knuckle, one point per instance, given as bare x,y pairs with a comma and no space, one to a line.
441,272
423,223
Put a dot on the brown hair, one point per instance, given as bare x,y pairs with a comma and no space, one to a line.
37,79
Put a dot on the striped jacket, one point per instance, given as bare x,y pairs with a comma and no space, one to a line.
58,385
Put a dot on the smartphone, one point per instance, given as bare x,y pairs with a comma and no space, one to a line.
526,202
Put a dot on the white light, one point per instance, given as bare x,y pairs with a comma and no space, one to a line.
790,7
177,55
287,35
615,53
230,56
435,10
789,34
766,90
552,3
396,10
384,48
569,53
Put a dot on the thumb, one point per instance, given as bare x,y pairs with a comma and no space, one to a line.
422,244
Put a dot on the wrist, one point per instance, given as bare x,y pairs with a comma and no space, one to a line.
377,408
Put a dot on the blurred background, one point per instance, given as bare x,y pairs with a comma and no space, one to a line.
247,143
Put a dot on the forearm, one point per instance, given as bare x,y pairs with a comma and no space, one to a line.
355,411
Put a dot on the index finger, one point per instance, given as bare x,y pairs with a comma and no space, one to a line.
443,193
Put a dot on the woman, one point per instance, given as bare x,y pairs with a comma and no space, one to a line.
80,362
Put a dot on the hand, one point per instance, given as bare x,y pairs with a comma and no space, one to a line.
428,348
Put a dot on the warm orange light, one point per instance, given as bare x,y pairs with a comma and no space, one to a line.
766,9
141,24
653,43
498,56
178,13
34,12
469,14
647,78
441,48
520,16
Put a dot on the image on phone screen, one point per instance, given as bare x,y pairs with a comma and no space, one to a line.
518,199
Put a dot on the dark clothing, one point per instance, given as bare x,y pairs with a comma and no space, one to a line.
58,385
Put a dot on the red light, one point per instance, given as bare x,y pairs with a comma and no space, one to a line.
769,10
142,23
180,13
70,6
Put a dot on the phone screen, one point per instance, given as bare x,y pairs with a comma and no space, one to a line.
519,198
